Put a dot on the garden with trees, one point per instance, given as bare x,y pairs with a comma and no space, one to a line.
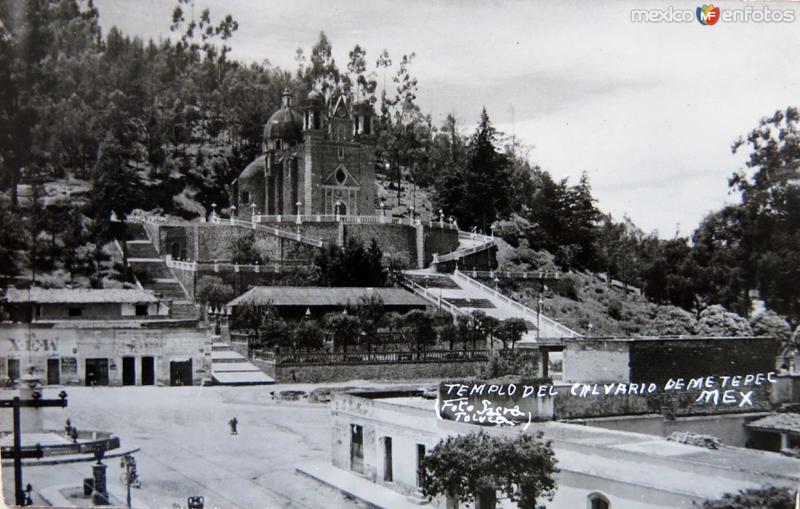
364,329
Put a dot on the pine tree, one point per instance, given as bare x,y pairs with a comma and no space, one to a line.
485,180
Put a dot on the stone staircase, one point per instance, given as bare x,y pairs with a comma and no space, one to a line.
229,367
463,295
154,275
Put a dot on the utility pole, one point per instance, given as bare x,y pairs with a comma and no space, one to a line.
18,453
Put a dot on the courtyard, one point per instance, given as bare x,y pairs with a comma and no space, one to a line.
186,448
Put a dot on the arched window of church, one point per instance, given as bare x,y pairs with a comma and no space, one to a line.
598,501
245,197
277,144
341,153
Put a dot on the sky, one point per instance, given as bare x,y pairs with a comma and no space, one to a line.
648,110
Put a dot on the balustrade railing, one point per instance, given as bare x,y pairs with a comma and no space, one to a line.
514,274
526,311
428,294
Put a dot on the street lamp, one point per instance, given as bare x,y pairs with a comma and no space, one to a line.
540,303
441,218
539,316
496,284
298,205
213,211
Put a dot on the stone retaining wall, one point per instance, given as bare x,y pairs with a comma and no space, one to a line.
389,372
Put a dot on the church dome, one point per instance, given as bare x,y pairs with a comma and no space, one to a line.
286,123
254,170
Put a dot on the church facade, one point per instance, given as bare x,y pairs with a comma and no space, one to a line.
314,161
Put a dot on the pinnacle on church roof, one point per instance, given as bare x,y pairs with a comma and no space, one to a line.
286,98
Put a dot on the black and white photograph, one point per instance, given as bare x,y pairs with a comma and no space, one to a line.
400,254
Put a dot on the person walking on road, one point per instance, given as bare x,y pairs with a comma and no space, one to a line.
233,423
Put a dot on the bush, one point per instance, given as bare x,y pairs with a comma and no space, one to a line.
212,290
769,323
768,497
717,321
614,309
498,366
671,321
243,249
568,287
308,335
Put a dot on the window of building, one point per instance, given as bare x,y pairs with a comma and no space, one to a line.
341,153
75,312
598,501
340,176
141,309
245,197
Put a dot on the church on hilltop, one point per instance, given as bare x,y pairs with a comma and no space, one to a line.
314,161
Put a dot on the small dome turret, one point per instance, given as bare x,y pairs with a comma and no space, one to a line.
313,112
284,126
362,118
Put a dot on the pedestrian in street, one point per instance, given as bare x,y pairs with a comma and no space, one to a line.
233,423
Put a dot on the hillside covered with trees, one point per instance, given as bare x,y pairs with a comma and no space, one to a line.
95,121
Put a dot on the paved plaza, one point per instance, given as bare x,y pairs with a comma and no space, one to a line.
186,448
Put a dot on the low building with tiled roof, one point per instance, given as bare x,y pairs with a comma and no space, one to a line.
54,304
295,301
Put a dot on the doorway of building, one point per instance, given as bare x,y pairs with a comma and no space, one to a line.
180,372
148,371
129,371
420,455
53,371
387,459
357,448
13,369
96,372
